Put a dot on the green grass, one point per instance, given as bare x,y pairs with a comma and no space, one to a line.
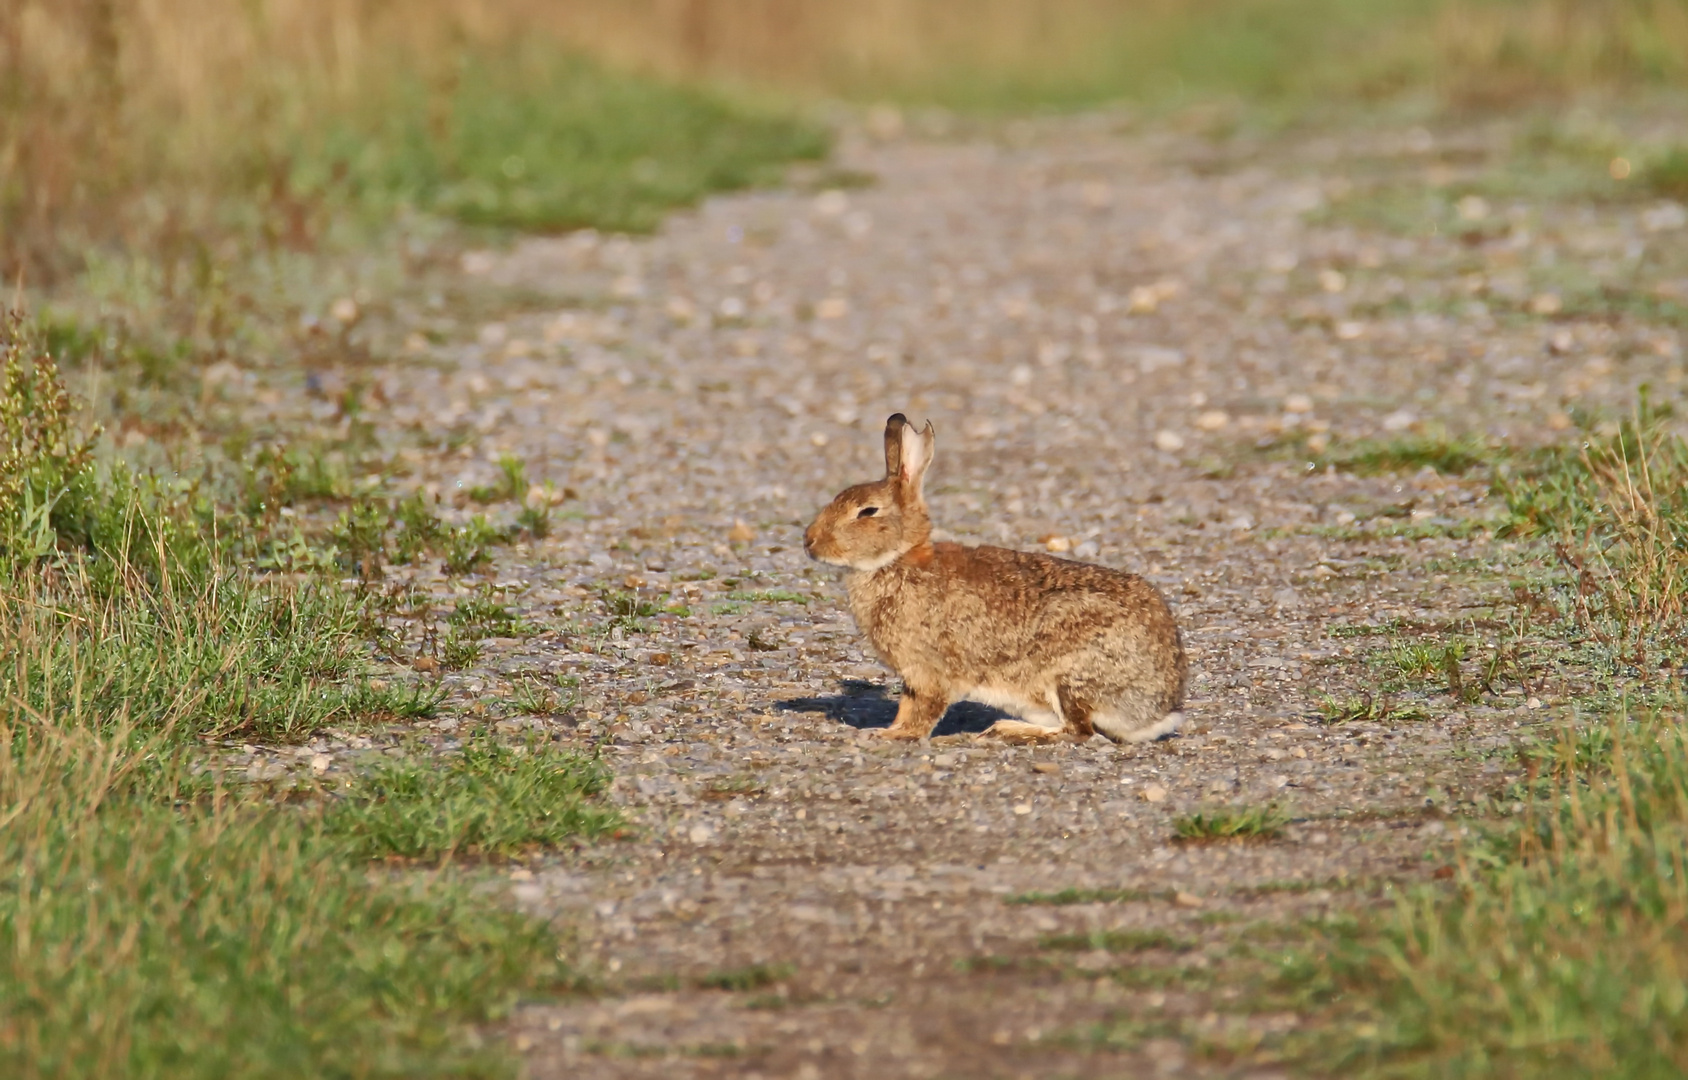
482,615
541,140
1370,457
157,922
144,937
1558,947
1232,823
487,798
1613,511
1086,896
1559,950
1366,708
1126,941
768,596
745,979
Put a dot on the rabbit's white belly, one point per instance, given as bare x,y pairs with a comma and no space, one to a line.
1041,713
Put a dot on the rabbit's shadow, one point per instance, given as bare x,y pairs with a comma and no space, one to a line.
861,705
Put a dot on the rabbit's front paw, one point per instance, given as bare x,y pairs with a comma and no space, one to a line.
894,732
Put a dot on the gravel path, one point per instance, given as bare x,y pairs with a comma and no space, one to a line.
1116,335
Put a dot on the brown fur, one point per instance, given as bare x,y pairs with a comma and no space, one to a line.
1094,648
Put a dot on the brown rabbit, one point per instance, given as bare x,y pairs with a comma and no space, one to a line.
1072,648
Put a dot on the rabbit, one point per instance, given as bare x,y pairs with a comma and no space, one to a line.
1072,648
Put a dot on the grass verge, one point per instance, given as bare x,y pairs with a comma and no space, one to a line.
1558,951
156,923
1558,947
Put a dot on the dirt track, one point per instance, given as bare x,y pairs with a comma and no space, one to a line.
1121,339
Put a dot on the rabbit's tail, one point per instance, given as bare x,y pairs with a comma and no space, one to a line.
1113,728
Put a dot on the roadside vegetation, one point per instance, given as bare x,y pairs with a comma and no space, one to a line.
1556,948
155,902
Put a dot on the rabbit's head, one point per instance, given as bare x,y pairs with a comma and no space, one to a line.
871,525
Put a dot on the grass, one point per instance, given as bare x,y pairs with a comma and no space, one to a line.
1232,823
540,140
144,936
1614,511
487,798
482,615
1127,941
155,921
1366,708
1370,457
1559,950
746,979
1087,896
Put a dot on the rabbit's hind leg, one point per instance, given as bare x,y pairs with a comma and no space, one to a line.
1059,723
1076,714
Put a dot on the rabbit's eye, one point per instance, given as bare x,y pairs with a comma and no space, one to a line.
867,511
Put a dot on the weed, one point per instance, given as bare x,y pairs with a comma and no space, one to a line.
482,615
534,698
458,651
421,530
225,657
147,933
467,547
628,610
769,596
1452,457
1365,708
389,702
1117,941
46,461
733,787
360,539
487,798
534,518
745,979
1232,823
1616,512
1558,929
1087,896
1667,174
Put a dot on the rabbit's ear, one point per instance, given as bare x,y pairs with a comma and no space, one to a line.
917,449
894,444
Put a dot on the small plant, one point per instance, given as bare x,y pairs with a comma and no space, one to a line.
733,787
1667,174
360,538
488,798
1425,659
535,520
46,461
742,980
458,652
1117,941
1232,823
627,610
1365,708
421,530
466,549
770,596
482,615
534,698
1087,896
1450,457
